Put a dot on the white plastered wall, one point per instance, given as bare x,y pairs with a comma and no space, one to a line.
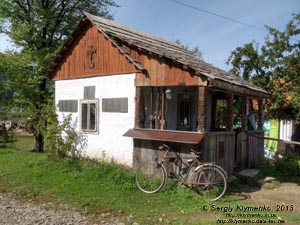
109,141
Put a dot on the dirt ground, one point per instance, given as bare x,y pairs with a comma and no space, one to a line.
284,200
287,194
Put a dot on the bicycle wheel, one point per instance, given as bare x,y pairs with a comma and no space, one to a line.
150,177
210,182
219,167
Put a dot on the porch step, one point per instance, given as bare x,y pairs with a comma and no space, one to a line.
251,173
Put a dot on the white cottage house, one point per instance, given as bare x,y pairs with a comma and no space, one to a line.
115,80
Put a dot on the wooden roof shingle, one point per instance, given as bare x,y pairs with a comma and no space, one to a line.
119,34
169,50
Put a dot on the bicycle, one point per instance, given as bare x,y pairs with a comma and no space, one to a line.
207,179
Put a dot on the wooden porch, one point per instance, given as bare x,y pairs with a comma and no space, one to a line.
212,113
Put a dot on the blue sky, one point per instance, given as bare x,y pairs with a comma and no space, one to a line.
215,37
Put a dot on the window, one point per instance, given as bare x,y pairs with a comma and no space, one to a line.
89,115
184,112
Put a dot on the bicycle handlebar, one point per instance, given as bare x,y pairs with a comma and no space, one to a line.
195,152
163,146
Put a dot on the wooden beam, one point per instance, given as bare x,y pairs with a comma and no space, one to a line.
260,115
229,112
201,109
139,108
151,113
213,112
163,105
157,109
222,85
244,113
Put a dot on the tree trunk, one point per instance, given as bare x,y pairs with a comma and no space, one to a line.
39,143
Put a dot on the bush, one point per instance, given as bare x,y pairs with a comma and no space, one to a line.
288,165
5,136
62,139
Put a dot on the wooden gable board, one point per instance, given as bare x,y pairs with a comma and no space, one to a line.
106,59
163,63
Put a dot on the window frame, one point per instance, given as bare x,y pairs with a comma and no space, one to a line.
89,102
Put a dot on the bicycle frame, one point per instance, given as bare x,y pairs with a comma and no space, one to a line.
190,166
207,178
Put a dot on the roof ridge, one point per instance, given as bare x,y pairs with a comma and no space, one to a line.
166,48
125,28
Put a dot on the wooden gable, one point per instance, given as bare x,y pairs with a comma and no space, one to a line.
92,54
164,72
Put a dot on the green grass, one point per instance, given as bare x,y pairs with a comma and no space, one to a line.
99,187
96,187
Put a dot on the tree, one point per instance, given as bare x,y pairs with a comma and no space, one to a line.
275,66
39,27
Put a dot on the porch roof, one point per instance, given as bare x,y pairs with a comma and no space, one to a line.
165,135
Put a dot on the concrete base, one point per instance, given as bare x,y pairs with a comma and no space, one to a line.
249,173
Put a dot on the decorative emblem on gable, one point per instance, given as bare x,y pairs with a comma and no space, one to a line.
90,53
91,60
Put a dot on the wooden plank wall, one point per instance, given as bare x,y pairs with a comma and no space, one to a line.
107,59
241,151
216,147
256,149
219,147
163,72
250,150
147,150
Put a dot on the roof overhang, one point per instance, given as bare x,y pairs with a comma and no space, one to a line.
164,135
233,88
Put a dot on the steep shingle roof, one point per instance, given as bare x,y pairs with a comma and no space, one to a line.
117,34
166,49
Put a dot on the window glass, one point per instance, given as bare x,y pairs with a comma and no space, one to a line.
184,112
84,113
92,116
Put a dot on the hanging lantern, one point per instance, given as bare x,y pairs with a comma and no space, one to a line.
168,93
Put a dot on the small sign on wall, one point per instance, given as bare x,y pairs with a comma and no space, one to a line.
115,105
68,106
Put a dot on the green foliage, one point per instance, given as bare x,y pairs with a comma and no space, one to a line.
6,136
61,138
221,110
275,66
288,165
29,98
38,28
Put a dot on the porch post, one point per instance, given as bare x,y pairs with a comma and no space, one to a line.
139,108
229,112
244,113
201,108
260,114
163,103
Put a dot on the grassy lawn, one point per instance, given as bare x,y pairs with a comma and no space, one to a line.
99,187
